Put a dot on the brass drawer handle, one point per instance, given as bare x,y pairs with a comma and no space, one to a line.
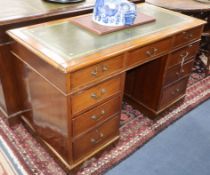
95,117
103,91
103,112
190,36
95,141
175,92
152,51
92,140
189,46
104,68
94,72
101,135
184,55
182,71
187,35
94,96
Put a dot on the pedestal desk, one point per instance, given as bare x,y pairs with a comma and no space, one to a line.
77,79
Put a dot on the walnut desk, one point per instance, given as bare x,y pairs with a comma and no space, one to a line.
77,79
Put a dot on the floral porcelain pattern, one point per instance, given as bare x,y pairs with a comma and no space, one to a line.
114,12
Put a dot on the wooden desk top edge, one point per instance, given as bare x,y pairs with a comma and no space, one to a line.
18,36
61,10
182,6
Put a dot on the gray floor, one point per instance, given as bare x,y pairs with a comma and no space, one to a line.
181,149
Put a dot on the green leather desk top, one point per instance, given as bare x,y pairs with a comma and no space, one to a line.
64,43
12,11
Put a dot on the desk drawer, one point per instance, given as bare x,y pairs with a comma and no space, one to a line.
91,96
178,72
187,36
182,55
97,137
96,72
173,92
139,55
97,115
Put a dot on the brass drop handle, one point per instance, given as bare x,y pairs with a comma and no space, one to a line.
95,117
103,112
94,72
94,140
187,35
103,91
104,68
152,51
176,91
184,55
101,135
182,70
94,96
190,35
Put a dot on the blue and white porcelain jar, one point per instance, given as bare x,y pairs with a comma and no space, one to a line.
114,12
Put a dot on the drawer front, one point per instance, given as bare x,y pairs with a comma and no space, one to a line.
187,36
178,72
182,55
140,55
96,72
97,115
97,137
173,92
91,96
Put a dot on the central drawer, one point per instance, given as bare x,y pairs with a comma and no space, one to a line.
86,98
97,137
140,55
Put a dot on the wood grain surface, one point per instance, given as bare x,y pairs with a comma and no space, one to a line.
181,5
